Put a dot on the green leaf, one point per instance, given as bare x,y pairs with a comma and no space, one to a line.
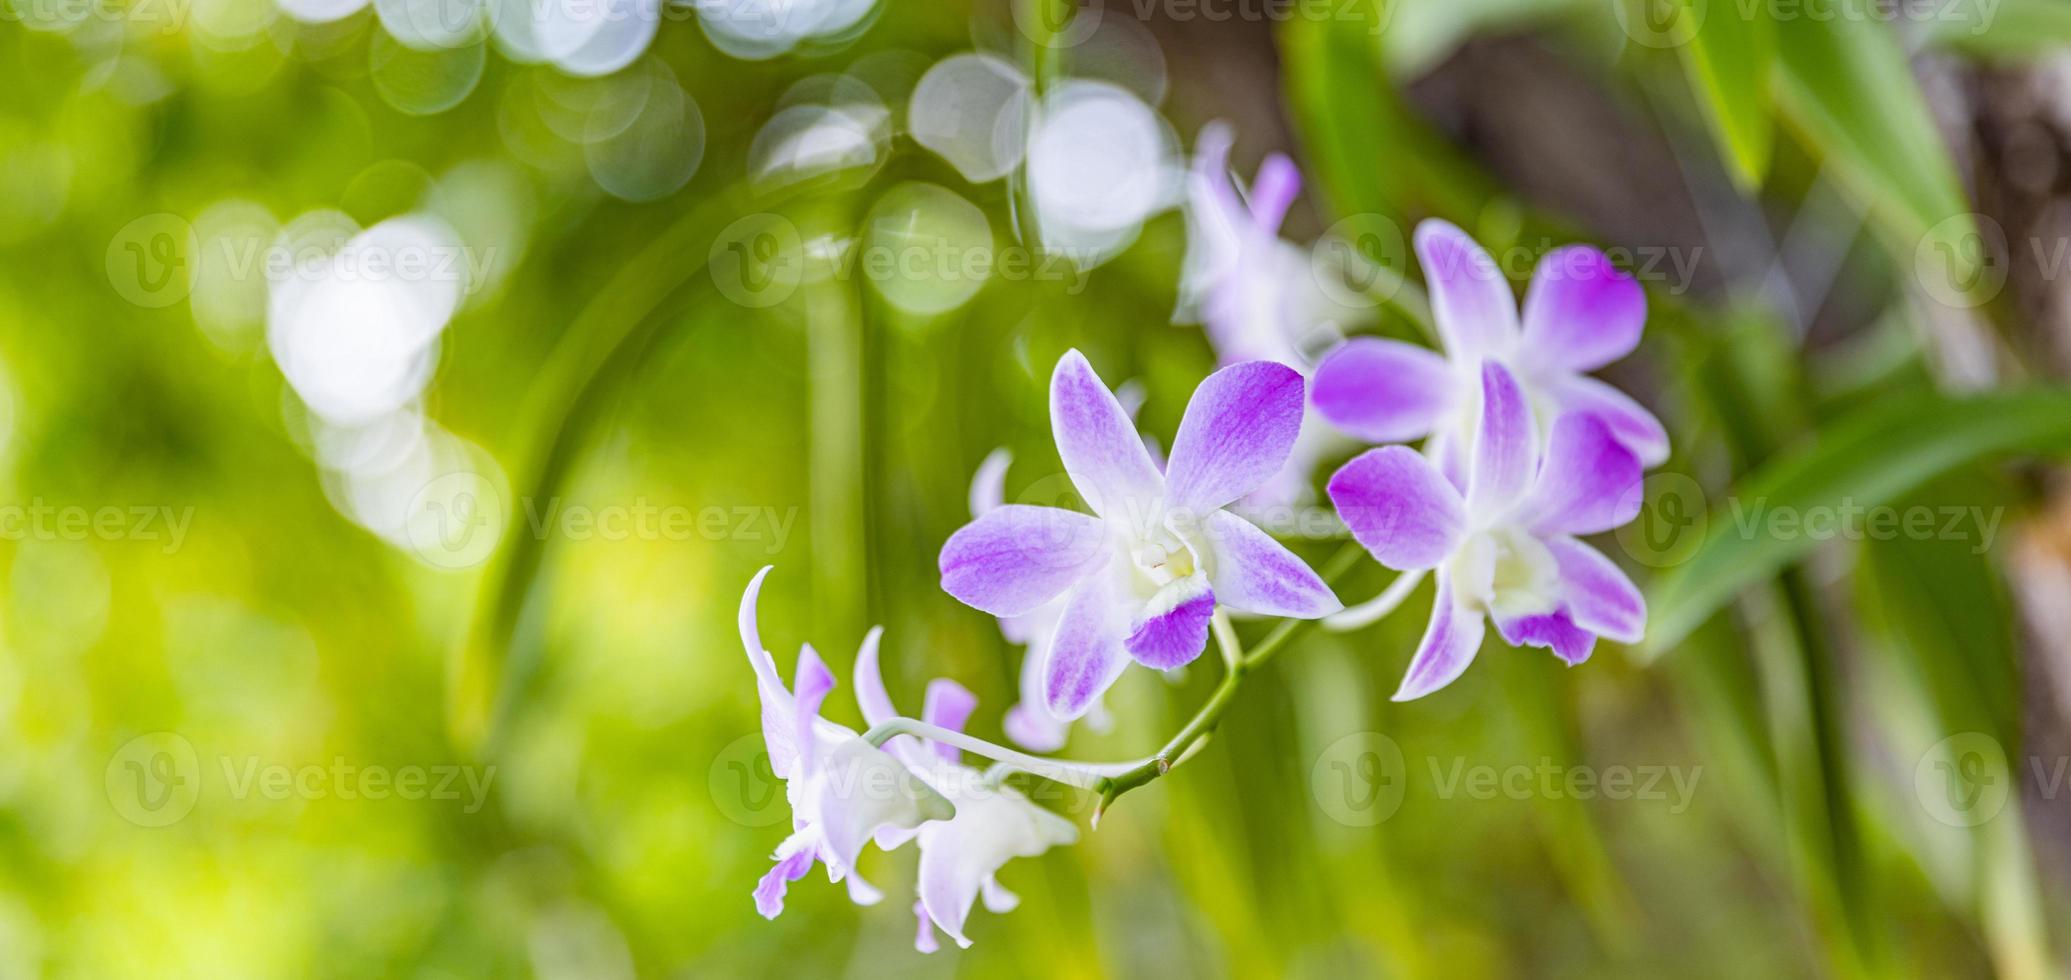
1938,614
1847,89
1422,33
1865,460
490,668
1731,60
1371,153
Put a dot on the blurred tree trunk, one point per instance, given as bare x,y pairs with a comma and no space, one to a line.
2011,127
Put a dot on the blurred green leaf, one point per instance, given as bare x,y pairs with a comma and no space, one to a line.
1422,33
1730,61
2012,29
1866,459
488,671
1846,87
1371,152
1942,623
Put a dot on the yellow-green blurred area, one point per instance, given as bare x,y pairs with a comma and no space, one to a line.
252,724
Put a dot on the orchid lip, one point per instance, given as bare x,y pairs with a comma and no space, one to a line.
1505,569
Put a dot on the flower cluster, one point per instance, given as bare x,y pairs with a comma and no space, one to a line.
1140,578
846,792
1522,453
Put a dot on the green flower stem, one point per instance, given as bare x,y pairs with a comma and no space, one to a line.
1112,779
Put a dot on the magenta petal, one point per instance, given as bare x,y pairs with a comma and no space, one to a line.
1505,449
769,892
1581,313
1086,654
1384,390
1252,573
1099,445
924,938
1588,481
1238,429
1470,297
1032,728
1554,631
1273,191
1173,629
1599,597
1018,557
948,705
1634,426
1398,507
808,691
1449,645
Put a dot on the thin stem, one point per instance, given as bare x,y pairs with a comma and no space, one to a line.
1377,607
1226,640
1084,775
1198,728
1112,779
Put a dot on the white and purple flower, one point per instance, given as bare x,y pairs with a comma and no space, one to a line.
1254,293
1580,314
960,857
1506,548
1142,579
1241,281
1030,723
843,791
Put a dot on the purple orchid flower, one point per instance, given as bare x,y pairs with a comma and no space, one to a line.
1241,281
1254,293
1142,579
1580,314
960,857
1029,723
1506,549
842,790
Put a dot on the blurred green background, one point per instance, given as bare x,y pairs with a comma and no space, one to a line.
1867,205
